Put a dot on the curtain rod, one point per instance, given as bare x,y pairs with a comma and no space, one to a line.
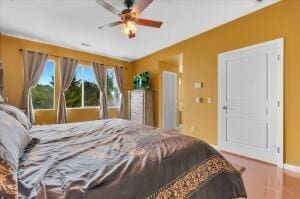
21,50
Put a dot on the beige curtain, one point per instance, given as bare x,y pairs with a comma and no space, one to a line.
100,74
119,72
1,82
34,63
67,72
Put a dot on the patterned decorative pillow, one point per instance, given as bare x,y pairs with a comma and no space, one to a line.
17,114
14,138
8,180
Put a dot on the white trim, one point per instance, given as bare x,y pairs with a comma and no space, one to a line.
292,168
82,85
219,140
275,41
280,43
215,147
163,88
281,101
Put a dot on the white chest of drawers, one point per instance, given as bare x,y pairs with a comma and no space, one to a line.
141,106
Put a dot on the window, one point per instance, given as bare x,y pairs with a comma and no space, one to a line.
74,93
91,91
113,93
43,93
83,91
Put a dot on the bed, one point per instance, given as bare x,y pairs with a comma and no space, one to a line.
114,159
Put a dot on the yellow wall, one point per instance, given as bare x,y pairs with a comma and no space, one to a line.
200,64
13,76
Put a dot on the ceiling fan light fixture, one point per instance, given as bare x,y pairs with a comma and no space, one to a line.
129,28
128,17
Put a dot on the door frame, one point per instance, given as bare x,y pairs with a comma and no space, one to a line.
280,138
163,98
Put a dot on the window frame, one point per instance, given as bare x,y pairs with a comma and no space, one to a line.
54,88
109,106
82,90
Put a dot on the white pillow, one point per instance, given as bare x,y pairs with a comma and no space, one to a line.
1,99
19,115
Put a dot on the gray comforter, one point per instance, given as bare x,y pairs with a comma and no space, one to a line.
118,159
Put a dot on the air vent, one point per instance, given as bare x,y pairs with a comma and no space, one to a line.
86,45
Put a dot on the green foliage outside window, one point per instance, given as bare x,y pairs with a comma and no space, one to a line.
91,94
43,93
84,76
42,96
73,95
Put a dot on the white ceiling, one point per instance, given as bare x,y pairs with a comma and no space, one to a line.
70,23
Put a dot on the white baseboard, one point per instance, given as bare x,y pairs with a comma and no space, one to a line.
215,147
292,168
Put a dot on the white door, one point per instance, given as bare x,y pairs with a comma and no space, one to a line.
250,96
169,99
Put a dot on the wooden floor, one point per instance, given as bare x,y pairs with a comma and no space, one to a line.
266,181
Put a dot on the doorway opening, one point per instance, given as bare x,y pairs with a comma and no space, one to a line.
170,92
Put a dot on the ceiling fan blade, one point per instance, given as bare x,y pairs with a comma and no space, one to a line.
141,5
110,25
109,7
147,22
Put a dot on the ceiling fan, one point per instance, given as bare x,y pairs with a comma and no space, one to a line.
129,17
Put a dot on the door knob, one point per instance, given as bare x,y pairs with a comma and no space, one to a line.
224,107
